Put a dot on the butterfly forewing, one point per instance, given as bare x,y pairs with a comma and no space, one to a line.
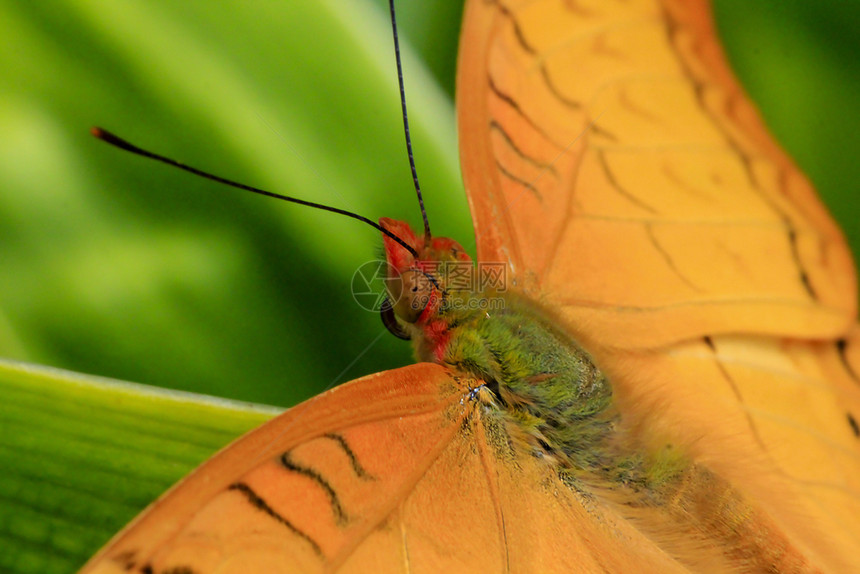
666,210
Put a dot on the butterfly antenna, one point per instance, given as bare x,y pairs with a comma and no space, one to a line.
117,141
406,125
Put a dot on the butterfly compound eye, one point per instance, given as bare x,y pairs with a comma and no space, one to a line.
410,293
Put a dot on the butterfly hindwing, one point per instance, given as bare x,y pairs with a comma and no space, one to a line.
411,470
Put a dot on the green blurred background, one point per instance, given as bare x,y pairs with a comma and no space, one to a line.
117,266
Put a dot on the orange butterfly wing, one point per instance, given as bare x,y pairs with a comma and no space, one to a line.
408,471
398,471
612,159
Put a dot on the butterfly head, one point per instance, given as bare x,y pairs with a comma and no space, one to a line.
417,285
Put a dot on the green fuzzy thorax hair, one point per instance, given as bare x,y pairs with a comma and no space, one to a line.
549,386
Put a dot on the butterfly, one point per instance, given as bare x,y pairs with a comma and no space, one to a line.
691,263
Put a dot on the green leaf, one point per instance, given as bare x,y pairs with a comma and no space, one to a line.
83,455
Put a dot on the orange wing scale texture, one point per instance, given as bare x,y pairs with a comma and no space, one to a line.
677,242
613,162
394,472
665,208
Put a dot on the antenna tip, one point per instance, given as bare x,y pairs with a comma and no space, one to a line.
106,136
112,139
